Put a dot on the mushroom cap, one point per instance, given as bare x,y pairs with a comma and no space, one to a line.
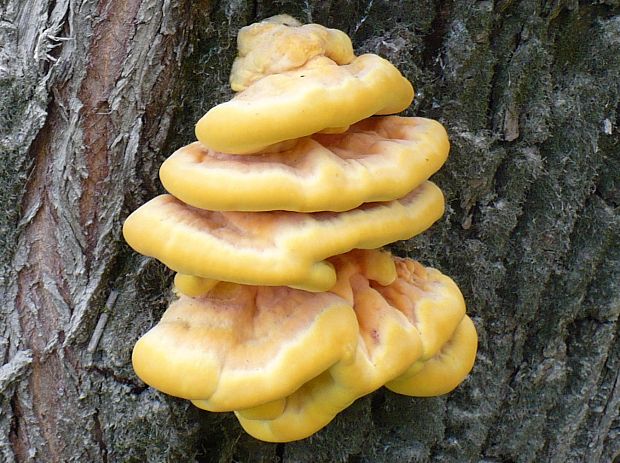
280,44
429,300
446,370
273,248
234,347
389,339
377,159
319,95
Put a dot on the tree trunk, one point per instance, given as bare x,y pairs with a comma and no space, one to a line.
95,94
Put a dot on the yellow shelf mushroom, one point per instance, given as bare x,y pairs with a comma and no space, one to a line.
286,311
446,370
435,318
377,159
234,347
281,43
296,80
321,95
273,248
394,335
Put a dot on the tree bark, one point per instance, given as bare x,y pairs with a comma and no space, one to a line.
95,94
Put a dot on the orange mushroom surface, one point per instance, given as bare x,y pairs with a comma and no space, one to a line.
281,43
234,347
273,248
377,159
391,340
287,312
444,371
319,96
436,318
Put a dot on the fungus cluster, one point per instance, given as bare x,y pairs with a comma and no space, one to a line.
287,308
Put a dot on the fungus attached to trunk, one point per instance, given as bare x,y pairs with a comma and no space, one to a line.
233,347
445,370
273,248
296,80
321,95
377,159
287,312
395,334
281,44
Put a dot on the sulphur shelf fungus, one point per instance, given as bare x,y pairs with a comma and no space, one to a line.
287,312
280,44
274,247
297,81
227,347
395,333
387,320
377,159
320,96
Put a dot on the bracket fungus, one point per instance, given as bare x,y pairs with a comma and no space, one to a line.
321,95
296,81
287,311
377,159
280,44
395,333
228,346
270,248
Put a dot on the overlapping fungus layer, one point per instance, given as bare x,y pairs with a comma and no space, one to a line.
287,310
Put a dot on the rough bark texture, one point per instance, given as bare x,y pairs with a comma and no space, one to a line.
95,94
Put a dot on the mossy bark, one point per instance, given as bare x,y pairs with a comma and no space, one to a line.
95,94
